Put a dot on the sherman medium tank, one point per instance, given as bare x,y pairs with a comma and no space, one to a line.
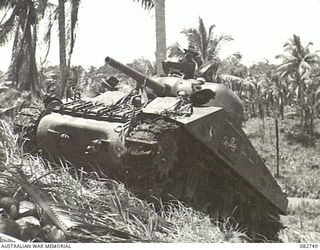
170,138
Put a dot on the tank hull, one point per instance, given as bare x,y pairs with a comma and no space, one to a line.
181,141
211,126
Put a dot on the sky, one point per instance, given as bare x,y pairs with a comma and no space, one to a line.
125,31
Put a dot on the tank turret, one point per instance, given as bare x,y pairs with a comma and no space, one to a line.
213,94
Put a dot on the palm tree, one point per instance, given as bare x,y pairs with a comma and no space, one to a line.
22,25
62,45
206,41
297,67
161,48
64,61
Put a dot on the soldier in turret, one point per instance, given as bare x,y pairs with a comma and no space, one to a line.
190,59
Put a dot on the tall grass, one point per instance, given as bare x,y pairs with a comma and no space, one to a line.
78,206
299,164
299,175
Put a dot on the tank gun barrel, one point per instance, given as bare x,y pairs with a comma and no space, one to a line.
139,77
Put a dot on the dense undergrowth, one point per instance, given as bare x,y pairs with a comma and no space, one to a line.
60,204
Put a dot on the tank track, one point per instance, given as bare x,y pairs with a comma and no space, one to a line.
180,167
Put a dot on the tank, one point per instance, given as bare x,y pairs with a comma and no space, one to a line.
172,139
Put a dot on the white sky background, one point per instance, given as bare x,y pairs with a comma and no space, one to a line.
123,30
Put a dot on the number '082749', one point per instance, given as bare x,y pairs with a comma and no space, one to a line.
308,245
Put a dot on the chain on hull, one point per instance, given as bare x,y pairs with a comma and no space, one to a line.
183,168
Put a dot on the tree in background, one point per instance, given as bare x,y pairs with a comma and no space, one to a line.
21,25
143,65
161,47
65,60
260,95
298,70
207,43
62,45
233,74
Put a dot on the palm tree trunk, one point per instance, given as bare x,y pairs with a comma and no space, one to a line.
301,103
15,57
281,105
21,64
34,69
161,48
62,46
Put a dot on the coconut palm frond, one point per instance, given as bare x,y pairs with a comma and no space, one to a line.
202,29
193,36
306,66
205,41
146,4
18,177
295,53
286,44
226,38
97,224
285,57
296,43
284,74
203,37
210,32
291,58
73,22
47,35
286,65
307,48
5,4
189,31
7,29
52,18
216,44
311,58
175,51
